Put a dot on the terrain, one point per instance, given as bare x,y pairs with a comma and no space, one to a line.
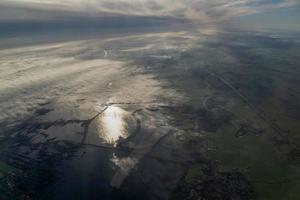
206,114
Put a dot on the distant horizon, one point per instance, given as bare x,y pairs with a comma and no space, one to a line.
245,14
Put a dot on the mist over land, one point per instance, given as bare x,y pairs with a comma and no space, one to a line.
149,100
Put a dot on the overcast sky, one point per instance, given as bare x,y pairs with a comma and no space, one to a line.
201,11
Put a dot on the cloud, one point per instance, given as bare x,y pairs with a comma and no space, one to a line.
201,10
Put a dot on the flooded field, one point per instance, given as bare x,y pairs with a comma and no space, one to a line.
181,115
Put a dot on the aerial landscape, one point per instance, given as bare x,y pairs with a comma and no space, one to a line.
150,99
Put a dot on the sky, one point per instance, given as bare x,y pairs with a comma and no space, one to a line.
203,12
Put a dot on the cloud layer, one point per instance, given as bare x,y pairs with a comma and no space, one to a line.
201,10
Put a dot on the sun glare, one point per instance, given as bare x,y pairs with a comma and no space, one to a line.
113,125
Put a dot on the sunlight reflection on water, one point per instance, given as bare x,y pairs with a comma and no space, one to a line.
113,124
125,164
